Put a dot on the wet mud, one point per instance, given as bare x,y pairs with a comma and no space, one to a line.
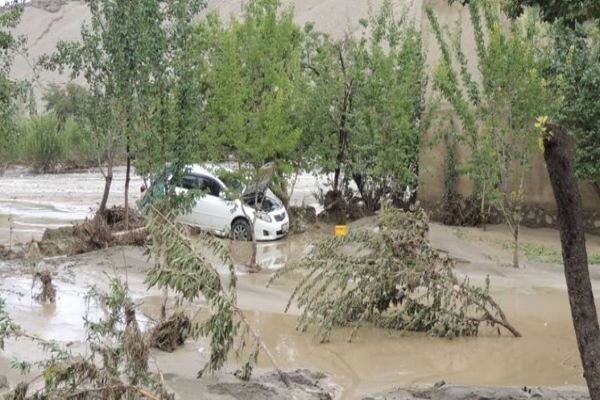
376,364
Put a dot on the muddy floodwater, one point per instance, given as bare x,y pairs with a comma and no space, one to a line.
533,297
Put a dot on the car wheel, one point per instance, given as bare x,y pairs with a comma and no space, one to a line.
240,230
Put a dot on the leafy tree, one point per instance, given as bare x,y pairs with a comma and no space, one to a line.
250,89
79,145
66,102
497,116
565,15
574,73
388,107
10,91
130,57
363,105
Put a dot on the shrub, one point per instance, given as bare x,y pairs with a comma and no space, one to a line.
44,145
79,151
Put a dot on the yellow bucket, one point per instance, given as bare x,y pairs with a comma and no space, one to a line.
341,230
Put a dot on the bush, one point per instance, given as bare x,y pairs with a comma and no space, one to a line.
79,151
44,145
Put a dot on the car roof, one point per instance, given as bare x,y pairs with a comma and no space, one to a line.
198,169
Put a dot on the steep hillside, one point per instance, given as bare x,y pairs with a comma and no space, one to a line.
46,22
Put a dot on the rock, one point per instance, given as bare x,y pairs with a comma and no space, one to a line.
51,6
304,385
439,384
480,393
536,394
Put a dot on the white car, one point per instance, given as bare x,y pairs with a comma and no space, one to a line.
214,212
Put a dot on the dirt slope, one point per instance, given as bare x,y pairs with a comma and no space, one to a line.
46,22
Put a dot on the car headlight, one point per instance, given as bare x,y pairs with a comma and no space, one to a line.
263,216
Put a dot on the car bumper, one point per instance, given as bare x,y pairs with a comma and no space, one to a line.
266,231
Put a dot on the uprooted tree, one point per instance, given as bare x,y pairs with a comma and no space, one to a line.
392,278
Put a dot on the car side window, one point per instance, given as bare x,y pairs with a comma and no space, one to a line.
190,182
209,186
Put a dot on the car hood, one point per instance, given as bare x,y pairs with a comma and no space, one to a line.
261,184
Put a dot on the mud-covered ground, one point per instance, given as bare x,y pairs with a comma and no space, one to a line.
375,365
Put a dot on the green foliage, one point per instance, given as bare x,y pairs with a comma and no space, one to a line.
7,325
181,267
388,105
574,73
361,108
80,151
568,11
70,101
392,278
254,64
44,145
10,91
116,368
136,60
539,252
497,116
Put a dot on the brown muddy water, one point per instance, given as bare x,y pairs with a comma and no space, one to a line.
534,299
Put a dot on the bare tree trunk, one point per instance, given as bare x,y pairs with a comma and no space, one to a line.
163,306
596,186
107,182
253,263
572,237
483,216
516,230
127,181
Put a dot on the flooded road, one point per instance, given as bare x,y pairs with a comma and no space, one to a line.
377,359
534,299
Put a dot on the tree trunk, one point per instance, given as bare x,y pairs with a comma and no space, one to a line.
336,179
163,306
596,186
572,237
516,248
107,182
127,181
253,264
483,217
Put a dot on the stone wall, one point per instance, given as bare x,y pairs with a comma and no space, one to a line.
533,216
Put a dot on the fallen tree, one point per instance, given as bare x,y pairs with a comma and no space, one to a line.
393,278
181,268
